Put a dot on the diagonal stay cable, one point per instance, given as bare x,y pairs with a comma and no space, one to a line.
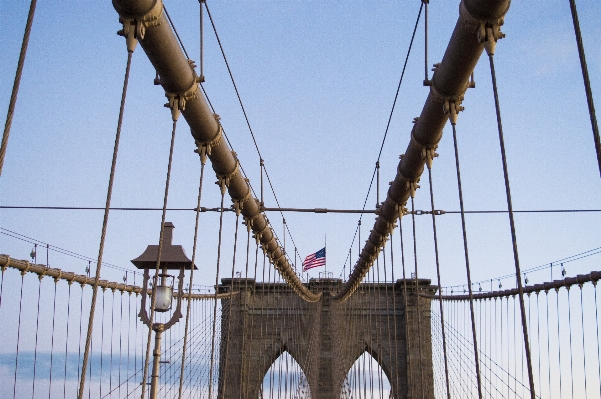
17,83
244,112
396,96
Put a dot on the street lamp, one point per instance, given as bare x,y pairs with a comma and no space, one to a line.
173,257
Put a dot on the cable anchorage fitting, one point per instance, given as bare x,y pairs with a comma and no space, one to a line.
489,34
204,149
452,108
223,181
134,29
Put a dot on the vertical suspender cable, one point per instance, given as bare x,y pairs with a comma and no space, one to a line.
516,259
17,82
558,341
86,354
181,374
202,69
18,336
417,309
216,292
160,252
426,79
597,335
229,319
67,340
35,351
407,335
444,340
101,343
587,82
571,355
583,345
467,261
52,335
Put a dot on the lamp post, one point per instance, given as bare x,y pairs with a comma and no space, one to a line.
173,257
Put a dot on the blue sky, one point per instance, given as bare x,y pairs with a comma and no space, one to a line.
317,80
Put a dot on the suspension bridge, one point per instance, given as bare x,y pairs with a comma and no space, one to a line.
396,322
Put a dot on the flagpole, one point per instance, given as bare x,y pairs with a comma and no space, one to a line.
325,248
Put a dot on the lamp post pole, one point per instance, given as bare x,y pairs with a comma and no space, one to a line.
154,382
173,257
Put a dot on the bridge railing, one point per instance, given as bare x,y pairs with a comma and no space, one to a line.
44,314
563,325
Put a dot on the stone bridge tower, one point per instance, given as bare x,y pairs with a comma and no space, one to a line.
267,319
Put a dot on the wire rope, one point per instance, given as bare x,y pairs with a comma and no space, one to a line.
17,82
389,120
159,255
467,262
104,227
229,319
67,340
52,337
18,337
419,322
243,110
583,343
444,342
587,82
189,304
558,342
216,285
35,351
512,226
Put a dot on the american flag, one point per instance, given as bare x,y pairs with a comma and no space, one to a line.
315,260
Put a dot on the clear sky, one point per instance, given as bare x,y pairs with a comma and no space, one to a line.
318,80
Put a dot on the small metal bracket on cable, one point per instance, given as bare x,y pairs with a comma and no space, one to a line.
177,101
135,29
428,82
131,31
223,181
428,150
238,204
204,149
489,34
411,185
452,108
248,222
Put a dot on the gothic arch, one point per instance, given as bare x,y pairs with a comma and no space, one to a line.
294,380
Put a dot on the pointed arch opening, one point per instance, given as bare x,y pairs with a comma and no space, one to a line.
285,379
366,379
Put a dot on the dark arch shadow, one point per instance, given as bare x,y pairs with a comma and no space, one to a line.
273,358
376,356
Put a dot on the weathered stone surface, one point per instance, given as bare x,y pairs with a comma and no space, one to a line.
326,337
